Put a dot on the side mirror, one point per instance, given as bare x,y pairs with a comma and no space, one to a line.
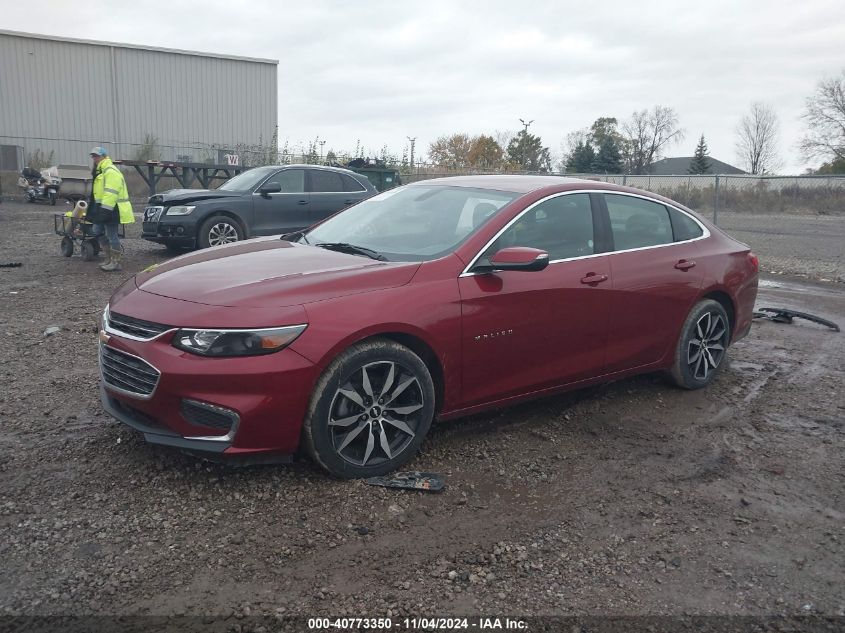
520,258
270,187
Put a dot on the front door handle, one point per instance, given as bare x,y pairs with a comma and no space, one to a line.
303,202
593,278
685,264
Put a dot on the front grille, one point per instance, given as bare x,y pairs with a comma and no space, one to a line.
127,373
152,214
206,415
135,327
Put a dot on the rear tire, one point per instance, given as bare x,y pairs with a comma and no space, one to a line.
88,252
66,247
218,230
703,345
370,410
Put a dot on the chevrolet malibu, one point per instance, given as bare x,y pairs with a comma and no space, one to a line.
430,301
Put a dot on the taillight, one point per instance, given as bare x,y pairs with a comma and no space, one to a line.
754,261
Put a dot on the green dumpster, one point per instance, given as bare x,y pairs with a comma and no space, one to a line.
382,178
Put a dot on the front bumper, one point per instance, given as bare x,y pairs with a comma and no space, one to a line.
181,234
265,396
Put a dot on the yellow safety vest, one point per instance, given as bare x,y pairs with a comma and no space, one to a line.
109,189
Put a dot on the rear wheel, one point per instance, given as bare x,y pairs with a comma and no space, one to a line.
218,230
88,251
66,246
370,410
702,346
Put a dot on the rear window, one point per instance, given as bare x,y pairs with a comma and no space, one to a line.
350,184
683,226
325,181
638,223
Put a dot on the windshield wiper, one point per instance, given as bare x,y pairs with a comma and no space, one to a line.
295,236
343,247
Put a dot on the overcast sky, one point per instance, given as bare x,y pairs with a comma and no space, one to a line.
382,71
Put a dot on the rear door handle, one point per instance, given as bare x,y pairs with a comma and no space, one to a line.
350,201
303,202
684,264
593,278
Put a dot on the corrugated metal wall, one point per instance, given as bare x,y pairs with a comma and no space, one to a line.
66,96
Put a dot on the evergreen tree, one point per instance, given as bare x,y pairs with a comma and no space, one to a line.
699,163
609,158
582,158
527,152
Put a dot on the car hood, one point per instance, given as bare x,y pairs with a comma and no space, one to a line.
270,272
190,195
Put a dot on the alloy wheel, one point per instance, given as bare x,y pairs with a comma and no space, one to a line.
707,345
375,414
222,233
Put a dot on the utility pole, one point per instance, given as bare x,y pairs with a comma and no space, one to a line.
321,150
412,150
524,142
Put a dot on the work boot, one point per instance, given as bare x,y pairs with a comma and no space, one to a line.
114,263
105,249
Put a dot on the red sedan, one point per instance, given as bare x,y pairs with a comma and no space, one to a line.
433,300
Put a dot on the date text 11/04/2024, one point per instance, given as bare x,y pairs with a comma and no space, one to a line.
413,624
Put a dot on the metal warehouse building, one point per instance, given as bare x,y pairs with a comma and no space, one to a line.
66,95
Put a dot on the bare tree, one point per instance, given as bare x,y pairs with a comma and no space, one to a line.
757,142
647,134
825,117
503,137
570,143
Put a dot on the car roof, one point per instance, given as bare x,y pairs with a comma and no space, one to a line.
513,183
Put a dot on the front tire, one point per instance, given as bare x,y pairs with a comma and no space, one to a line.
703,345
218,230
370,411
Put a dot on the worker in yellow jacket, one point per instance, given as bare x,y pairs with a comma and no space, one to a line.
109,207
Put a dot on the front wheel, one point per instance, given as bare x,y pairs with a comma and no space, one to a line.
370,411
218,230
66,246
702,346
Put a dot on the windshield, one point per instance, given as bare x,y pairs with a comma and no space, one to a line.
246,181
412,223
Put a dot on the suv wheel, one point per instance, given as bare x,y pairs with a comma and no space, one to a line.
218,230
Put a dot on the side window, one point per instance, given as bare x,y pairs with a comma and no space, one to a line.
325,181
561,226
350,184
291,180
683,226
637,223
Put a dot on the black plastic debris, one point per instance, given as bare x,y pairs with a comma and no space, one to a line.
11,265
782,315
411,480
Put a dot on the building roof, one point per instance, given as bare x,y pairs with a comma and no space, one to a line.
679,166
158,49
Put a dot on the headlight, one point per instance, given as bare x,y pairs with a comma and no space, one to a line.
180,210
236,342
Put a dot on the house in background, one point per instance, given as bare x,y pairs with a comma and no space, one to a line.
679,166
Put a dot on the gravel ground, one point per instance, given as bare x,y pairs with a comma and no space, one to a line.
630,498
806,245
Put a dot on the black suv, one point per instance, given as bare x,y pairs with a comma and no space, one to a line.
261,201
